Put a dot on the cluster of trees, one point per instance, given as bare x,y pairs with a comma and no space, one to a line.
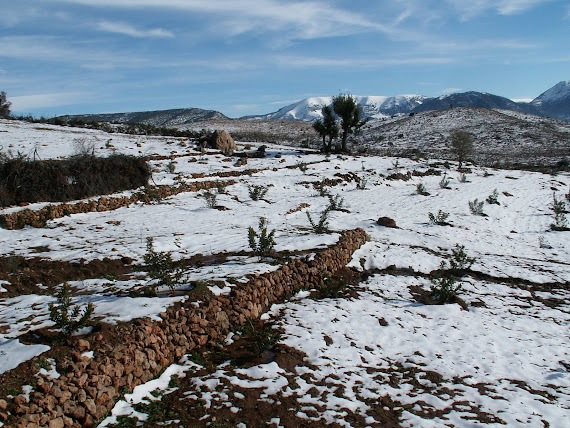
345,109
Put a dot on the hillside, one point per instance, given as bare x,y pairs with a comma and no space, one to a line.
341,326
156,118
499,135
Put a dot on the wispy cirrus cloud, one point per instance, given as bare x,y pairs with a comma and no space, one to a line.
295,20
308,61
470,8
26,103
130,30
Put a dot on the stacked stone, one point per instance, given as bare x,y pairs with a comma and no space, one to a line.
90,386
39,218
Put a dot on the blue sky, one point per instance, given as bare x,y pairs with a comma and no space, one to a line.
255,56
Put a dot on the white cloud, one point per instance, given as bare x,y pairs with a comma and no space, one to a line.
27,103
295,20
304,62
129,30
451,90
470,8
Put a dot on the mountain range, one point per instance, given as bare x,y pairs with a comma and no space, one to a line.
555,103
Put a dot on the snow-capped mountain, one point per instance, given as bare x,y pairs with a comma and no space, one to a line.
555,102
374,107
475,99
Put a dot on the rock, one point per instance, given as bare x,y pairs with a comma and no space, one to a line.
387,222
83,345
3,404
221,140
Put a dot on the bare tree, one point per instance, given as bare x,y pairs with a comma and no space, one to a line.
4,105
461,145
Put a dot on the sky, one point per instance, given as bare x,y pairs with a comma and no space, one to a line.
243,57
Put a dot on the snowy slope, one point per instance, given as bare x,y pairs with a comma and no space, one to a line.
556,101
558,92
503,361
374,107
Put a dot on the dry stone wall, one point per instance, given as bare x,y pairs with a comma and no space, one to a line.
39,218
88,387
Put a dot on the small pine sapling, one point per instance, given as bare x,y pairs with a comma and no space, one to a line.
421,189
444,183
440,218
257,192
261,242
322,225
302,167
160,266
210,198
559,208
336,203
459,259
476,207
463,178
361,183
493,198
60,314
444,287
322,189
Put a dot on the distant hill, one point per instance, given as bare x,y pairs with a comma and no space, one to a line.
156,118
373,107
475,99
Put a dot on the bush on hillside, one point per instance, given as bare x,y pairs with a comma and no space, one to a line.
81,176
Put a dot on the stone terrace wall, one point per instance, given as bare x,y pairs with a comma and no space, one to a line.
90,386
39,218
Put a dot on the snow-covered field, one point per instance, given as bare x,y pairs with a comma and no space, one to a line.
504,360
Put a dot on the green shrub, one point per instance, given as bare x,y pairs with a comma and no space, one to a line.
302,167
444,182
68,322
170,167
322,225
459,259
78,177
361,183
493,198
257,192
559,208
444,287
440,218
336,203
160,266
210,198
322,189
463,178
421,189
261,242
476,207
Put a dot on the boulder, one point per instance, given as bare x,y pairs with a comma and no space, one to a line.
221,140
387,222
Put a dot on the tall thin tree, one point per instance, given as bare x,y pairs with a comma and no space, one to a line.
4,105
345,106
